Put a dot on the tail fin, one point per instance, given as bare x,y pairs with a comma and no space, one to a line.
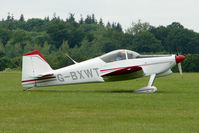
33,64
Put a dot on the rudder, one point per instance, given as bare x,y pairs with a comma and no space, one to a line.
33,64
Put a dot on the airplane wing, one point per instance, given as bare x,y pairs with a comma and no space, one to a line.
122,73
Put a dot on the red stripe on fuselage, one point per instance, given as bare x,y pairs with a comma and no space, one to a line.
37,79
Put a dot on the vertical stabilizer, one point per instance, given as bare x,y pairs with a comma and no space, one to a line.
33,64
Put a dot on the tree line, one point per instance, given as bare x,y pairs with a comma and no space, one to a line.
88,37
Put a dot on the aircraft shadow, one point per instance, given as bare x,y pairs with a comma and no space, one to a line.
103,91
96,91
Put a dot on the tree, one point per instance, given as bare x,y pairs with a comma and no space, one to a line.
175,25
5,63
37,47
64,47
108,46
46,48
9,17
101,22
71,18
47,19
118,27
12,18
81,21
54,37
39,38
5,35
88,19
75,38
108,25
34,24
113,25
9,48
21,18
161,33
16,62
58,33
187,41
93,20
138,27
18,49
19,36
2,49
28,47
146,42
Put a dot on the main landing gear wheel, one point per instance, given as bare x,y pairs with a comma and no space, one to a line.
149,88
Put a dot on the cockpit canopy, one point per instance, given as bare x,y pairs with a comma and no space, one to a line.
118,55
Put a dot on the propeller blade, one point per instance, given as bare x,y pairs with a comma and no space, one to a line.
176,50
180,69
179,59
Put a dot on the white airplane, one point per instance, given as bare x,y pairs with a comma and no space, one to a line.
114,66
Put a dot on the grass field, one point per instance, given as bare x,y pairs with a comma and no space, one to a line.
101,107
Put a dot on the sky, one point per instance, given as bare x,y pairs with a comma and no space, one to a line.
155,12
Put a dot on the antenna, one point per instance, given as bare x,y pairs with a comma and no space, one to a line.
71,58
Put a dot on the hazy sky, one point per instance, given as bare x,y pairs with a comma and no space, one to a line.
156,12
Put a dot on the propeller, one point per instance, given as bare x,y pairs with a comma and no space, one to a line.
179,59
176,50
180,69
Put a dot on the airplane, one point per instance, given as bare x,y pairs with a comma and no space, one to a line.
117,65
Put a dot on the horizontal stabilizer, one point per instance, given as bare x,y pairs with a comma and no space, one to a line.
43,75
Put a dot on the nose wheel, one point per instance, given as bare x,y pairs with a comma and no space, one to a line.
149,88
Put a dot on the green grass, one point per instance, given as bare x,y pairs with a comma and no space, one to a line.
101,107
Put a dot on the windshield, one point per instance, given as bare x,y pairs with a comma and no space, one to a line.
118,55
132,54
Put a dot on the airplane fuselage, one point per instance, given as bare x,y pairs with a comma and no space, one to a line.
91,70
